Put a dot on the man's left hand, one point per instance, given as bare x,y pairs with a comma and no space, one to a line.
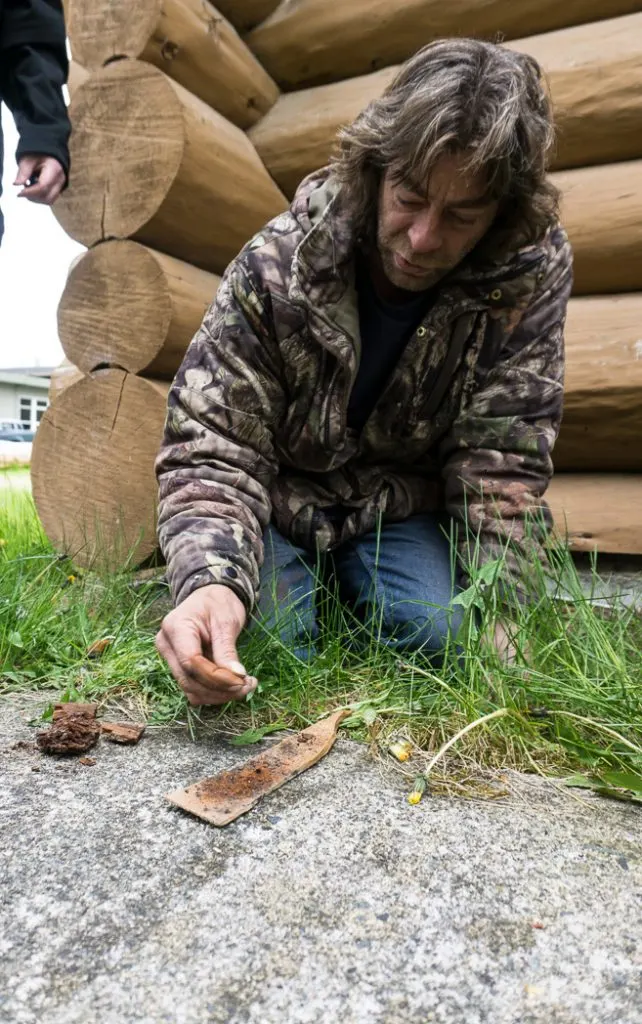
49,174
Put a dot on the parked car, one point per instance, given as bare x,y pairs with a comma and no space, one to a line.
14,430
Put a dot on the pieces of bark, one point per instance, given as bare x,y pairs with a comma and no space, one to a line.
122,732
74,730
223,797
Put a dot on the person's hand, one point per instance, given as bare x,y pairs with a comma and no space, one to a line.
503,644
502,638
198,641
50,175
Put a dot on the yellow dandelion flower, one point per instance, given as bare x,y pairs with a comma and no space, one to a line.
418,790
401,749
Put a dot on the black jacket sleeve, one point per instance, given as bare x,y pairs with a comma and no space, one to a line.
33,70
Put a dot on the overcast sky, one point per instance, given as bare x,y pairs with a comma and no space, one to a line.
34,259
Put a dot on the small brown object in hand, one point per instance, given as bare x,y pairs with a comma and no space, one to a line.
201,668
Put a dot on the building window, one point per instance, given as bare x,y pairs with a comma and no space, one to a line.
31,410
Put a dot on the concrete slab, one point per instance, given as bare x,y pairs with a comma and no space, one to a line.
334,901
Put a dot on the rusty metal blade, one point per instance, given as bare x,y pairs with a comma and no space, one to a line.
221,798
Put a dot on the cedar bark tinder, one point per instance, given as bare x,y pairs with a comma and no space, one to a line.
189,40
310,42
602,423
125,305
95,489
595,78
150,160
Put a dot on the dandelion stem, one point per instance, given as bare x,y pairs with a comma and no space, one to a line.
501,713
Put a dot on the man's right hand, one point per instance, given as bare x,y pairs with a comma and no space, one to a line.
206,625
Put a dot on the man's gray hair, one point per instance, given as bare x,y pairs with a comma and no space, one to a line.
458,96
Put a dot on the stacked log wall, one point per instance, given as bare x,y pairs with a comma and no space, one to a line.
193,125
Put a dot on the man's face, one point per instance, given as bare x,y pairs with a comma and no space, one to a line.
425,231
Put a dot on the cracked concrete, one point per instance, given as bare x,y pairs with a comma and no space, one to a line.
332,901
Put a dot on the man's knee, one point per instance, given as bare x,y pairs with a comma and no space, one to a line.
287,596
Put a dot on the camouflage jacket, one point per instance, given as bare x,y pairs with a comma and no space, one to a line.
256,426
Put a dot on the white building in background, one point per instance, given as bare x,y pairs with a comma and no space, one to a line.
24,395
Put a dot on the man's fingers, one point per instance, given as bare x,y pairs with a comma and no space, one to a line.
224,654
26,168
185,640
51,179
215,678
198,641
48,186
196,692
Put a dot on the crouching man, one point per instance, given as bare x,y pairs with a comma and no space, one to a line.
382,362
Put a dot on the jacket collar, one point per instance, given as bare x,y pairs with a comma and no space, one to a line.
323,264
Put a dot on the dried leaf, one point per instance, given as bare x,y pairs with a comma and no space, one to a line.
99,647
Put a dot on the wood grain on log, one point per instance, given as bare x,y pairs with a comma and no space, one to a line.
148,159
125,305
63,377
189,40
92,469
602,212
602,425
598,511
299,133
309,42
595,78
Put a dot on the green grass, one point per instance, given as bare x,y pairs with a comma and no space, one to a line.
571,702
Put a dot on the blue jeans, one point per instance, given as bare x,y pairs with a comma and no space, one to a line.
398,583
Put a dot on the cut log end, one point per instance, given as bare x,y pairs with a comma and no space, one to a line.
93,469
127,117
128,306
189,40
102,30
115,309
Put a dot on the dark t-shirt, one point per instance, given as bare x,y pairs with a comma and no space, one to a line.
385,329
